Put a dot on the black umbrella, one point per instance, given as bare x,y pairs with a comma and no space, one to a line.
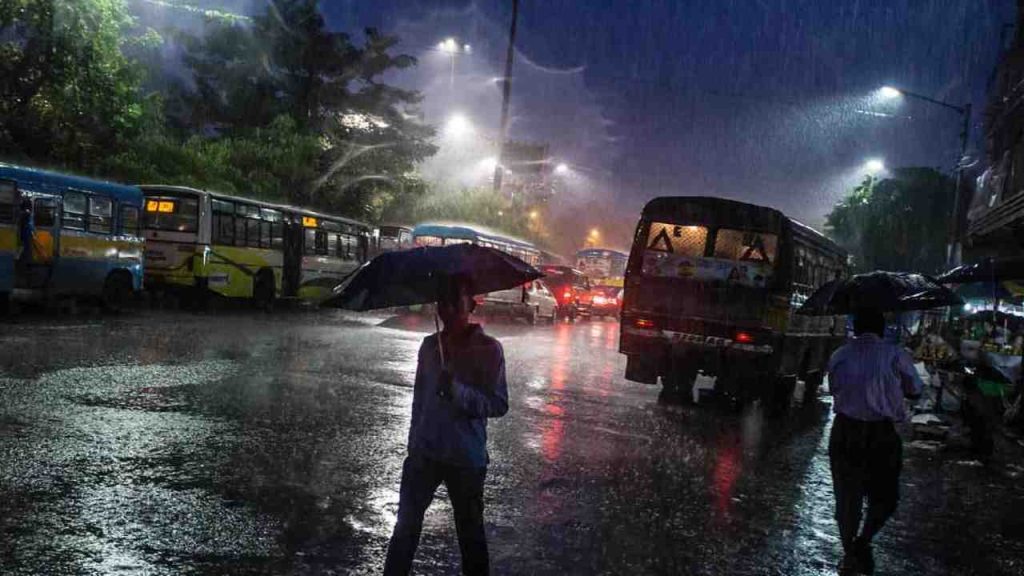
988,270
884,291
414,276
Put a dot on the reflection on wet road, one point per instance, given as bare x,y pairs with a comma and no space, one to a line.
180,444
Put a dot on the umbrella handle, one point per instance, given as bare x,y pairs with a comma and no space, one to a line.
440,345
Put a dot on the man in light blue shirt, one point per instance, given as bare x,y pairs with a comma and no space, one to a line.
454,394
868,378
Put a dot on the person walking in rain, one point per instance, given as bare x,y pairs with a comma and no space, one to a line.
460,383
26,232
868,378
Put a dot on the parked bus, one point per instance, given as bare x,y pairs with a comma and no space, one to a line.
444,234
204,243
712,286
86,241
394,237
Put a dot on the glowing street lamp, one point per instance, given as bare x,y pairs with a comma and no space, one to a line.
534,214
450,47
458,126
874,166
888,92
562,169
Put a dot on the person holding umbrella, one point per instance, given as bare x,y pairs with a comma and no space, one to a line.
460,383
868,378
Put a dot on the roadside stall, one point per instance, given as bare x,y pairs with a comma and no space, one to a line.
989,337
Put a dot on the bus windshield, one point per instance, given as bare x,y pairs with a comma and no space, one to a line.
172,213
738,256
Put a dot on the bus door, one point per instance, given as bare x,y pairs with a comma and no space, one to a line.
291,277
46,244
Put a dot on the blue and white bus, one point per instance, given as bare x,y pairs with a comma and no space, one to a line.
85,239
444,234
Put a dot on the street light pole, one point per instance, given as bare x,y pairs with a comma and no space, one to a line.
953,258
953,250
506,93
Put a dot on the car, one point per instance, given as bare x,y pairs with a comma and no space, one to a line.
532,301
571,289
606,301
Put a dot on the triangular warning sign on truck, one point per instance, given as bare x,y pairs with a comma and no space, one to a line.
662,237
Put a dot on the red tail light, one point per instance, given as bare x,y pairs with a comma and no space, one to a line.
744,338
613,301
643,323
567,294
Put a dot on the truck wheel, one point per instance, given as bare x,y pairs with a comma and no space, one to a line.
677,387
778,395
812,384
117,290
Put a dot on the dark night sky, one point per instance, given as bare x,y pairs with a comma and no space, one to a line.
759,100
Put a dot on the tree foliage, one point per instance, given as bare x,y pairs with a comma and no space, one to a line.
277,106
68,94
898,223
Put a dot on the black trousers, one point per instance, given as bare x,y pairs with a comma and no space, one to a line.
866,459
420,478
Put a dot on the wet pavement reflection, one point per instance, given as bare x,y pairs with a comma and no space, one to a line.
171,443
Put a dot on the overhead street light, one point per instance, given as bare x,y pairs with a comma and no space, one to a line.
562,168
458,126
965,129
874,166
451,47
889,92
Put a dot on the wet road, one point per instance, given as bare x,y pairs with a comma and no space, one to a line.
243,444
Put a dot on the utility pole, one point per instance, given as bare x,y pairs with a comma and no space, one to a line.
506,93
954,234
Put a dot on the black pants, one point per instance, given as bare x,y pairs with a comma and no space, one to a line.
866,459
420,478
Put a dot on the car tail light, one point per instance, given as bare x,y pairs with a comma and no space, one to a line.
643,323
567,295
744,338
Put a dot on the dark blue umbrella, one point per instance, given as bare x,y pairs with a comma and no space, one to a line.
414,276
883,291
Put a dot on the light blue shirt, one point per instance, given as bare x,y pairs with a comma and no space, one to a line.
870,377
454,430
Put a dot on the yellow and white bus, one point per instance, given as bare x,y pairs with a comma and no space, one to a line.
205,243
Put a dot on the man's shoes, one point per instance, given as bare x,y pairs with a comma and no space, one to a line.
864,558
848,566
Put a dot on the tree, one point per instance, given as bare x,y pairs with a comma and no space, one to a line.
68,95
899,223
288,63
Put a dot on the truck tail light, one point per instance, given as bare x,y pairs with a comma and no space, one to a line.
643,323
744,338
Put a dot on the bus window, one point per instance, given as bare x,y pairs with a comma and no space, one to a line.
239,231
44,212
252,232
129,220
223,223
74,210
170,213
8,190
277,235
745,246
333,246
264,234
100,212
676,239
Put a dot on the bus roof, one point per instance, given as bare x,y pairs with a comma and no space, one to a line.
261,203
465,232
50,179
